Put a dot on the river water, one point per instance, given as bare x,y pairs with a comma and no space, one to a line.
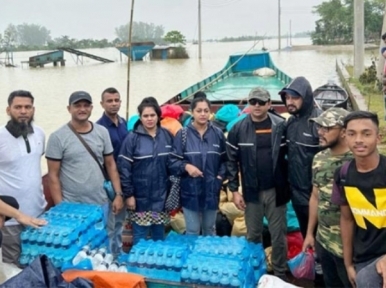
51,86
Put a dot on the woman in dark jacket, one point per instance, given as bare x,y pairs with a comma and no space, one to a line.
200,161
142,165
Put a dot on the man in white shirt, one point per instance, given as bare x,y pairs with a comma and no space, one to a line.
21,149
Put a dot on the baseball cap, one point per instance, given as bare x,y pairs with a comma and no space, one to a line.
331,117
292,92
260,94
78,96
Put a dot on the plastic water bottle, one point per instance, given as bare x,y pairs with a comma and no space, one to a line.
160,260
98,258
103,266
178,261
114,267
235,282
122,267
224,281
133,258
204,278
82,254
169,261
185,275
214,278
141,258
195,276
109,258
150,261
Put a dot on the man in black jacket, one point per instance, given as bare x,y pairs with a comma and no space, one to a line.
303,144
256,147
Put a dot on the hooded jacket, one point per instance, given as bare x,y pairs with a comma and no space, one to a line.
241,150
143,167
207,154
302,142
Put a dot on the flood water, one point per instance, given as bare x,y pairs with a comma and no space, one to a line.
51,86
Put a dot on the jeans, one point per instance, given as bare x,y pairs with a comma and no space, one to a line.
367,275
115,227
141,232
334,271
277,225
195,223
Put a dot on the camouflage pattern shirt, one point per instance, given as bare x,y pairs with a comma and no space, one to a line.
323,168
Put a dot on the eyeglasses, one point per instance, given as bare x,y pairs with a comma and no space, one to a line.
325,129
253,102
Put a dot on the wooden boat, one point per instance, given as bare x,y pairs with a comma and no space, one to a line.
232,84
331,95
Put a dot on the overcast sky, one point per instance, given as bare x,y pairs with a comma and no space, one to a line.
220,18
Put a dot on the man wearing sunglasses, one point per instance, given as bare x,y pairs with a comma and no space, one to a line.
256,148
324,215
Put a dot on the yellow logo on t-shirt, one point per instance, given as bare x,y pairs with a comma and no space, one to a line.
361,208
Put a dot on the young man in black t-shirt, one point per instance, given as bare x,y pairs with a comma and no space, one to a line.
360,190
256,147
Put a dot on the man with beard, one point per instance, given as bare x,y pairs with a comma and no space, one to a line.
303,144
117,127
73,173
256,147
21,149
323,213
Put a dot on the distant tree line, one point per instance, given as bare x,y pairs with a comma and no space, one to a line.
28,37
336,22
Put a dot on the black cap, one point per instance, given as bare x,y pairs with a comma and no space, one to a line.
78,96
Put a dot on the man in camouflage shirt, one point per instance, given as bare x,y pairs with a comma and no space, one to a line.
323,213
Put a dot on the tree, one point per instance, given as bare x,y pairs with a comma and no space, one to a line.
175,37
336,22
141,32
32,35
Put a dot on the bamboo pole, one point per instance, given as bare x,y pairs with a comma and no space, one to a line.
129,60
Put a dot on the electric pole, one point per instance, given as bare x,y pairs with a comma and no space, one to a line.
359,38
279,16
129,60
199,30
381,61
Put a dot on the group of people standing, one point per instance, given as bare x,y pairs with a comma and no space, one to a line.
274,160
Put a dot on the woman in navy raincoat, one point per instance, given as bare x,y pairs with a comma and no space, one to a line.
143,169
201,165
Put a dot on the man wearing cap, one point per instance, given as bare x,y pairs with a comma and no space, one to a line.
303,144
73,173
322,213
256,148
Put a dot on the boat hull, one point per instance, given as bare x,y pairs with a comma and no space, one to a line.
331,95
232,84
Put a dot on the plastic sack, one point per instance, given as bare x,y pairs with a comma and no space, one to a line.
130,124
234,121
171,124
42,273
172,111
302,266
227,113
295,244
270,281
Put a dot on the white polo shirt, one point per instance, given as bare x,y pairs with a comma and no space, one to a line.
20,171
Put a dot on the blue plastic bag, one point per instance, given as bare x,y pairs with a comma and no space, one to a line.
302,266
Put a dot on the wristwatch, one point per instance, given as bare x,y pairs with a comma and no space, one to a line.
119,194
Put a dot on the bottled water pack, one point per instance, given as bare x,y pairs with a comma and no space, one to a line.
70,227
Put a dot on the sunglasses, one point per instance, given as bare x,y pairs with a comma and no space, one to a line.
253,102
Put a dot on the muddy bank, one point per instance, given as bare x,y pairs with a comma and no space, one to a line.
331,47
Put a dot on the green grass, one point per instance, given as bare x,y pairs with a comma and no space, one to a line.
375,103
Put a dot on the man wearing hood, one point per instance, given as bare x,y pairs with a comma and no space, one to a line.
303,144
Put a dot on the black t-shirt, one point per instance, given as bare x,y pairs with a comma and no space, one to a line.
264,154
365,193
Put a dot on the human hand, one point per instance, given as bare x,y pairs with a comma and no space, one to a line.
351,273
309,242
130,202
30,221
117,204
238,200
193,171
381,269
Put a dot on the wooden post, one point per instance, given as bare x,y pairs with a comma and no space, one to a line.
129,61
199,31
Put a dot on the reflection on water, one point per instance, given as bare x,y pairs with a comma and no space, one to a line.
52,86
